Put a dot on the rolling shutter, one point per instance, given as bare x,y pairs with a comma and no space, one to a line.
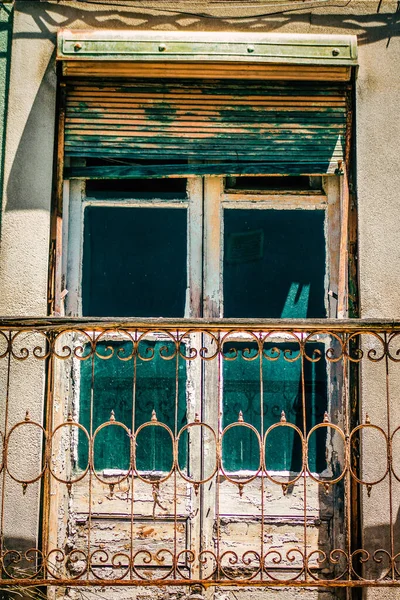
232,127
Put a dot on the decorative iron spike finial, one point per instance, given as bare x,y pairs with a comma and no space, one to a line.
69,417
326,417
27,416
153,415
112,416
367,419
283,417
240,417
196,418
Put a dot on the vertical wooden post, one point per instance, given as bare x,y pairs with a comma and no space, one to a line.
344,244
49,513
54,283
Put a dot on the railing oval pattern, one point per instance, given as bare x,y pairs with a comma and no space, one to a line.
55,352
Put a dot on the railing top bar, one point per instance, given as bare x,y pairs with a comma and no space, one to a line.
100,323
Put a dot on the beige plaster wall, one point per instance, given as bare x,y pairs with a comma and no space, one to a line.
378,175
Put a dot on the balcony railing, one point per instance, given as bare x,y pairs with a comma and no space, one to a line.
230,453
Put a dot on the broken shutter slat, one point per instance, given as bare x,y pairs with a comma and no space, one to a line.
241,123
230,169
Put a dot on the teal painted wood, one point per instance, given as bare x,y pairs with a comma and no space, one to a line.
281,368
185,170
155,390
242,123
113,385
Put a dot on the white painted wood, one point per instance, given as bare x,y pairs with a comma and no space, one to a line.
74,250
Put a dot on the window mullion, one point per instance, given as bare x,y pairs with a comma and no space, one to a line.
212,285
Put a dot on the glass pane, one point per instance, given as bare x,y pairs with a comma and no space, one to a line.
272,183
172,188
156,389
274,263
281,391
134,262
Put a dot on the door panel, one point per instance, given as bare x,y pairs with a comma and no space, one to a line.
265,257
211,257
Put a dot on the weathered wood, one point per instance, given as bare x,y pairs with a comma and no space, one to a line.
281,200
176,120
186,170
195,248
204,324
220,71
344,245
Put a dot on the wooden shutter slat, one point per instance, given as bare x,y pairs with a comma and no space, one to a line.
219,121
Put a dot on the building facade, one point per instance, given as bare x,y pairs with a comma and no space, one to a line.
199,276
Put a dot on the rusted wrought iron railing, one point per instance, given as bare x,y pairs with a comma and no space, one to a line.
160,452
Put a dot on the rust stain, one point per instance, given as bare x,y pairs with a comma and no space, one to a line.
146,532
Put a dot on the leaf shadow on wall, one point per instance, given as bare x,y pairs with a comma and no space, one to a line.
338,16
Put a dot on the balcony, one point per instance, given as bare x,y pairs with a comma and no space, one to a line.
231,453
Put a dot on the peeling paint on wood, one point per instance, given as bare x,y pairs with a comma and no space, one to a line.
303,125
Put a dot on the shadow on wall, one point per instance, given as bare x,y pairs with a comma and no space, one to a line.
377,541
202,16
34,157
19,558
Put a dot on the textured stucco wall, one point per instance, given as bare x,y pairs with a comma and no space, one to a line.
378,174
27,173
30,138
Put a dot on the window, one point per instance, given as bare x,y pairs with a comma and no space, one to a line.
242,253
202,247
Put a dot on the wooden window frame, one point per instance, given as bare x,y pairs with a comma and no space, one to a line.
206,200
205,212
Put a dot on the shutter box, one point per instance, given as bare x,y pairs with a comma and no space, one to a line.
168,103
206,55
